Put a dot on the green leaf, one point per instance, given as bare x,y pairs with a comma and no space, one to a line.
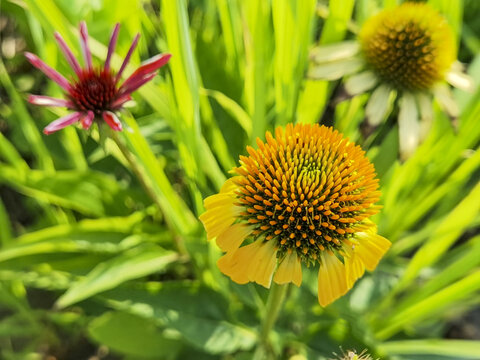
109,274
133,335
197,312
86,192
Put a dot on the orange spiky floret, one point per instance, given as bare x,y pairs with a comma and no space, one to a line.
307,188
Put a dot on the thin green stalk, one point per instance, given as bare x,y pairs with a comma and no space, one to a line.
147,186
275,301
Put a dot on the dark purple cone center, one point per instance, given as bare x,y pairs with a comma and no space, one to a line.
94,90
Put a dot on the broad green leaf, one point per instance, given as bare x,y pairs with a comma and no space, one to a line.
87,192
133,335
196,312
133,264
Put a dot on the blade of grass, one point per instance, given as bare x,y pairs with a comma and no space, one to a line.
464,349
314,97
26,123
11,155
258,44
5,226
173,207
434,304
292,25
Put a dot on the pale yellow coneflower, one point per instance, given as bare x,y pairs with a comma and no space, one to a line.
304,196
406,52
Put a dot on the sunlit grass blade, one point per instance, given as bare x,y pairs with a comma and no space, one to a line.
229,14
444,236
173,207
5,226
314,96
292,25
10,154
432,306
26,123
232,108
462,265
258,46
464,349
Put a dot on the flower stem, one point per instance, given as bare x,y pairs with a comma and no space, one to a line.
275,301
146,184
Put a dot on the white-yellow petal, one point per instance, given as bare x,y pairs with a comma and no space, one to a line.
336,69
408,126
379,104
446,101
426,114
460,80
331,52
360,83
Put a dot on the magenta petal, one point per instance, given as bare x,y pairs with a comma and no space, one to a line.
148,67
84,44
49,101
62,122
127,58
47,70
112,120
68,54
120,101
87,120
111,46
136,83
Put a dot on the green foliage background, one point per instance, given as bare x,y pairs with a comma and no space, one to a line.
89,264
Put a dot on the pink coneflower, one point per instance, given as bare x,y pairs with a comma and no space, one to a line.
95,93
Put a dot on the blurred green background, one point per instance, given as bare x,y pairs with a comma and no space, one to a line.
92,268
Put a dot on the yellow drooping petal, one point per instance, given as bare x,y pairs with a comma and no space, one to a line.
235,264
332,279
263,264
371,248
221,210
232,238
289,270
230,185
254,262
354,266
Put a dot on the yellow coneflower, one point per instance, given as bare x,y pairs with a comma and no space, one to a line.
304,196
406,51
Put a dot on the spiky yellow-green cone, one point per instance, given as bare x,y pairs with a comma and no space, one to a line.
411,47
